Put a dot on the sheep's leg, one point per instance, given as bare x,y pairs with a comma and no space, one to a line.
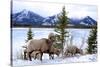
29,55
41,56
25,55
53,56
49,56
36,56
73,54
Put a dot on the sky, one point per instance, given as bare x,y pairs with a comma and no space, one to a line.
46,9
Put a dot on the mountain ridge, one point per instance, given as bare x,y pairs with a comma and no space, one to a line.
26,17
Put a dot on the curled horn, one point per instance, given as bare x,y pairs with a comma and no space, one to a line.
51,37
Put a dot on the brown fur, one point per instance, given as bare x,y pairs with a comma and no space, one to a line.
35,54
72,50
43,45
54,51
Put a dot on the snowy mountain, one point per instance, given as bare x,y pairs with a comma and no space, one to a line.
51,20
26,17
88,21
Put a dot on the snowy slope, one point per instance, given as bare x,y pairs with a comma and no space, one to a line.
57,60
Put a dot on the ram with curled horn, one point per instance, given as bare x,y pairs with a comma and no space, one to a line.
42,45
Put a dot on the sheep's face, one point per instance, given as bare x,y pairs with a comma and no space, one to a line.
58,52
51,37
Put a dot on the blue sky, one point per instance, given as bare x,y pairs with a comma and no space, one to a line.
48,9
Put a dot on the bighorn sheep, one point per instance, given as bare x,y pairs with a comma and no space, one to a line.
72,50
43,45
53,51
36,54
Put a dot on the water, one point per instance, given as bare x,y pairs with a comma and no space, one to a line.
19,35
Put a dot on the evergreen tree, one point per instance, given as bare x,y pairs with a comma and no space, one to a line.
29,34
92,41
61,27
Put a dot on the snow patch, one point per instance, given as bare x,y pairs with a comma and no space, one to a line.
57,60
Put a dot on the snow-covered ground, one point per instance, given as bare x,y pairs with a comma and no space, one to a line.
19,36
57,60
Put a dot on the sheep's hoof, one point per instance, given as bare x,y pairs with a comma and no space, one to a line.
30,60
25,59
